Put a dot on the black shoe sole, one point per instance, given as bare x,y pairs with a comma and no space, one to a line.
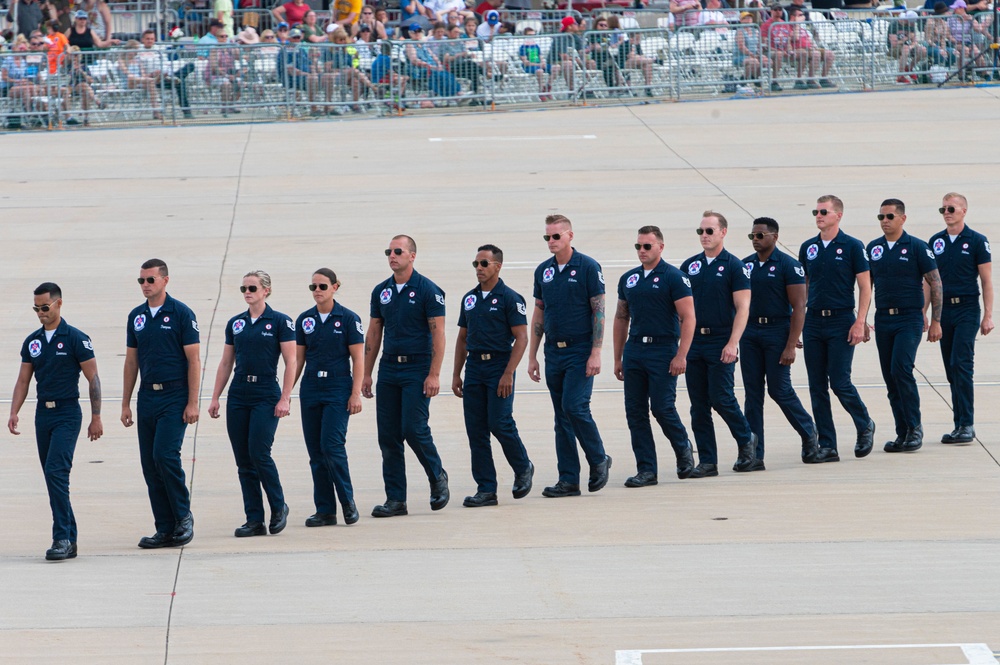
156,546
592,487
352,518
250,534
470,504
395,513
559,495
59,557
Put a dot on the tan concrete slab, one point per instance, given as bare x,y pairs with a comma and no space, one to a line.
886,550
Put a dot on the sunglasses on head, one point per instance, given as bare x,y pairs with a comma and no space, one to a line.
944,209
321,287
708,231
646,246
397,251
553,236
889,215
758,236
43,308
481,263
252,288
146,280
822,212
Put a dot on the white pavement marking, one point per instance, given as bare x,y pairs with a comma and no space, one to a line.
491,139
976,654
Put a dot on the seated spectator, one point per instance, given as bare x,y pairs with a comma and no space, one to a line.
567,48
295,69
423,65
312,32
382,16
685,12
905,46
712,15
530,54
341,64
211,38
81,83
470,27
412,12
222,73
459,59
268,37
962,28
131,71
627,51
21,77
508,28
375,26
247,35
292,12
489,28
456,17
281,33
747,51
166,68
793,41
57,43
936,39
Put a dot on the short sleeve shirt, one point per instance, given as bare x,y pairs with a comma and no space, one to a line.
295,14
897,273
257,344
566,295
328,342
769,284
405,312
160,340
651,299
959,261
56,363
345,7
713,285
488,320
832,270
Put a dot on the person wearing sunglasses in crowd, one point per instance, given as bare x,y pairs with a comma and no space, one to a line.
569,314
777,314
720,285
55,355
653,330
964,261
407,315
255,339
834,262
492,338
329,342
163,349
899,266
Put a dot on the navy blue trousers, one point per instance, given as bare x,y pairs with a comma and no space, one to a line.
251,424
56,432
828,359
570,389
897,338
649,387
160,424
486,413
959,327
402,411
324,426
710,384
760,354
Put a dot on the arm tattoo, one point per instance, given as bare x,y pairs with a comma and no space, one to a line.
95,395
538,329
934,280
622,312
597,307
432,324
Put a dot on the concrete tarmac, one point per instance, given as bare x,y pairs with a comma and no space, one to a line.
883,553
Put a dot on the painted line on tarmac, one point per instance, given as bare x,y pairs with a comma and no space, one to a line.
975,654
493,139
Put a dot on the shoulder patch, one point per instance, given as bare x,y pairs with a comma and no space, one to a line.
986,244
194,324
439,298
522,309
87,344
290,324
800,271
687,282
360,328
600,276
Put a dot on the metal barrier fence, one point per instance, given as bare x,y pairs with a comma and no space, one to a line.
176,84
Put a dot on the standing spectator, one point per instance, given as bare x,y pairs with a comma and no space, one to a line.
488,5
685,12
412,12
223,11
293,12
29,16
347,13
57,43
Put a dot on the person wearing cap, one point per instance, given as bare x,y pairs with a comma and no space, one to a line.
83,36
55,355
490,27
492,338
964,261
962,31
834,262
747,51
767,348
905,45
653,328
292,12
295,69
281,32
211,38
255,340
424,65
939,49
564,47
407,325
569,314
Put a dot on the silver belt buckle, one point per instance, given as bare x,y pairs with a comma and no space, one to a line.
402,359
561,345
251,379
157,386
321,374
955,301
893,311
646,340
485,356
761,319
50,405
705,331
826,312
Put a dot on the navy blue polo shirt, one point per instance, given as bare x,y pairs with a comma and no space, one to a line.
488,321
328,342
257,345
769,284
160,340
57,363
713,286
566,295
959,261
897,273
405,313
832,270
651,299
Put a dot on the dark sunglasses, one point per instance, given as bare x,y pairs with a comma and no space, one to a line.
554,236
37,43
889,215
252,288
646,246
701,231
759,236
146,280
398,251
946,208
482,263
822,211
321,287
43,308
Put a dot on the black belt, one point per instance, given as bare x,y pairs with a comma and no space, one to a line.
55,404
166,385
828,312
640,339
767,320
563,343
407,359
896,311
960,300
713,331
251,378
488,355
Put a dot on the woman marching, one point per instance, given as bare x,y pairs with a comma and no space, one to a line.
330,343
254,340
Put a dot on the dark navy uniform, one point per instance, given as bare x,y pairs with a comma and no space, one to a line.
400,403
569,339
764,340
253,394
709,380
163,394
958,262
652,343
488,320
832,271
56,365
326,388
897,277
